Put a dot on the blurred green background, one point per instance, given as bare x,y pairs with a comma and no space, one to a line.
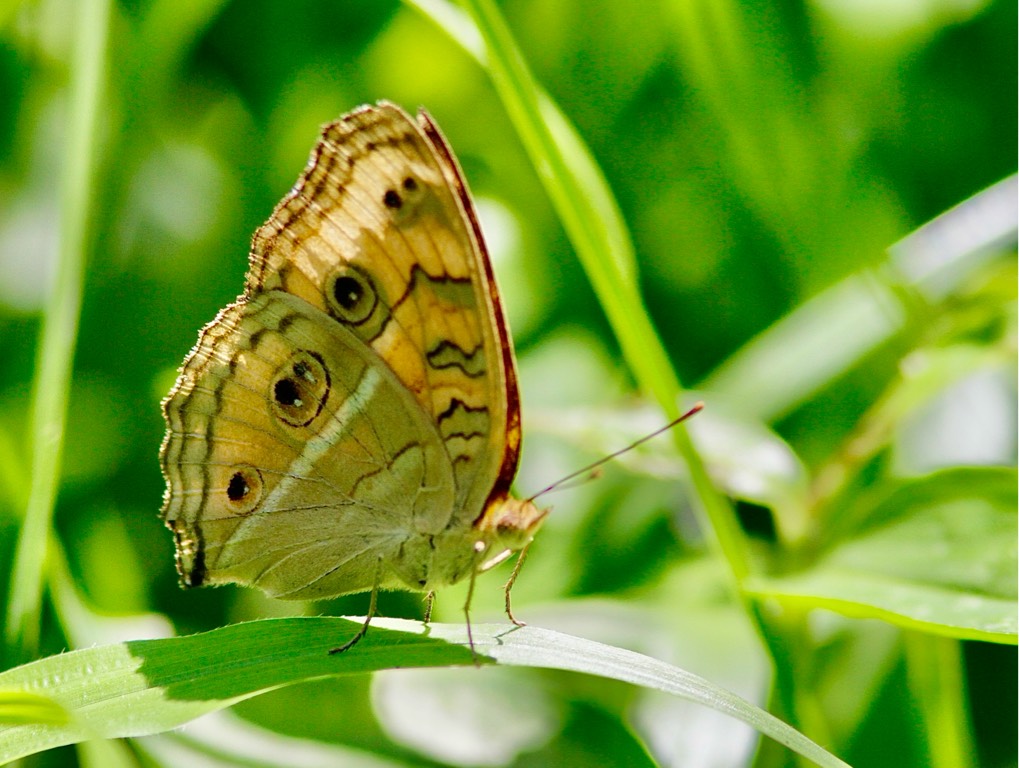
764,155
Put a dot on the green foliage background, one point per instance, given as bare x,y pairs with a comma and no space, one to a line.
764,156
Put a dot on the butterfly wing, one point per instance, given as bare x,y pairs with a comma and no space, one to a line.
294,460
380,234
357,407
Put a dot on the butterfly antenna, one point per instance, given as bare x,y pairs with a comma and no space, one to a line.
594,465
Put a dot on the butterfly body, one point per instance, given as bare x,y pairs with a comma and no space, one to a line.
351,422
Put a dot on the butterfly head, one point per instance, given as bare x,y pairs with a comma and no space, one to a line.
510,523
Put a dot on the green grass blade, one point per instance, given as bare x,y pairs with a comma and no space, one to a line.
60,326
798,356
824,337
589,213
583,202
938,256
22,708
150,686
935,667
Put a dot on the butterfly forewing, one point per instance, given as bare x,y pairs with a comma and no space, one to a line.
382,211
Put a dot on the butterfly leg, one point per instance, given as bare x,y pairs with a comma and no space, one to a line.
511,581
467,616
368,619
429,602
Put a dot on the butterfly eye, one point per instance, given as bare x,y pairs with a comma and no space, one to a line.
351,295
244,489
299,389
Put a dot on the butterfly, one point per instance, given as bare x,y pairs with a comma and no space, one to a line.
352,421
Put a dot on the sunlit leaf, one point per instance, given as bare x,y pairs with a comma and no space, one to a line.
939,555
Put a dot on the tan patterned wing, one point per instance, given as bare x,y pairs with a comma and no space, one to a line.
380,234
297,462
353,421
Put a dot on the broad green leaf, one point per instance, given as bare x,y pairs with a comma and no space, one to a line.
150,686
909,604
938,555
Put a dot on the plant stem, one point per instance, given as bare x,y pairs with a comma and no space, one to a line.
55,358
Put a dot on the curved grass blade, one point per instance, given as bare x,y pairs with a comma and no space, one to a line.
150,686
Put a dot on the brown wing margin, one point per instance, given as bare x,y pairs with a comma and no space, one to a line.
511,456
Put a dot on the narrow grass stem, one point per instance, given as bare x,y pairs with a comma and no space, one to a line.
591,217
59,329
